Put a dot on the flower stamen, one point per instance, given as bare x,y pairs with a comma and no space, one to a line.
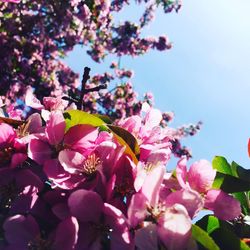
91,164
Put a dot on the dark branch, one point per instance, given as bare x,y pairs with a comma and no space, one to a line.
103,86
77,98
84,81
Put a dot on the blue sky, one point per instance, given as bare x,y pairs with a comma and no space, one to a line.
206,76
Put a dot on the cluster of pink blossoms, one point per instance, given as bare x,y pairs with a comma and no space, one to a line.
84,186
36,35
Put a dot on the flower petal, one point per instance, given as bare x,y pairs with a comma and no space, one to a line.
152,184
54,171
32,101
153,118
81,137
224,206
201,176
120,237
146,238
137,209
7,134
174,228
55,128
70,160
85,205
66,234
39,151
190,199
17,159
19,230
181,172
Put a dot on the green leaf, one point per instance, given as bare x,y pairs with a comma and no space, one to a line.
76,117
226,239
127,139
203,238
105,118
230,178
244,201
208,223
221,165
8,15
222,233
241,172
230,184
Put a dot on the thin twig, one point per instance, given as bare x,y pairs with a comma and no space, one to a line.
97,88
84,81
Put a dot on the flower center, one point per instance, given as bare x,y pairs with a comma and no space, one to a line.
155,212
8,193
124,188
22,130
5,155
39,244
91,164
104,232
149,167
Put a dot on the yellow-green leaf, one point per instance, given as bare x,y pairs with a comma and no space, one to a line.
76,117
128,140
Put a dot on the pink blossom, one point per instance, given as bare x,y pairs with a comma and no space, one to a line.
41,148
137,210
190,199
121,185
151,137
146,237
22,232
97,220
157,159
200,178
224,206
174,228
32,101
18,190
12,150
11,1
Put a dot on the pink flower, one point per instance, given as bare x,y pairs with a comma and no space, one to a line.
81,155
22,232
174,228
225,207
147,197
100,223
49,103
190,199
89,155
43,146
18,190
12,150
151,137
201,176
11,1
146,237
120,186
199,179
156,159
172,225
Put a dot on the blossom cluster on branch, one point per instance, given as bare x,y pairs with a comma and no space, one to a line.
36,35
74,180
89,168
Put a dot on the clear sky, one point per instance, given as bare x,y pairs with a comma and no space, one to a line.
206,76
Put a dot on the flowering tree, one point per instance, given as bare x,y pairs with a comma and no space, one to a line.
86,169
